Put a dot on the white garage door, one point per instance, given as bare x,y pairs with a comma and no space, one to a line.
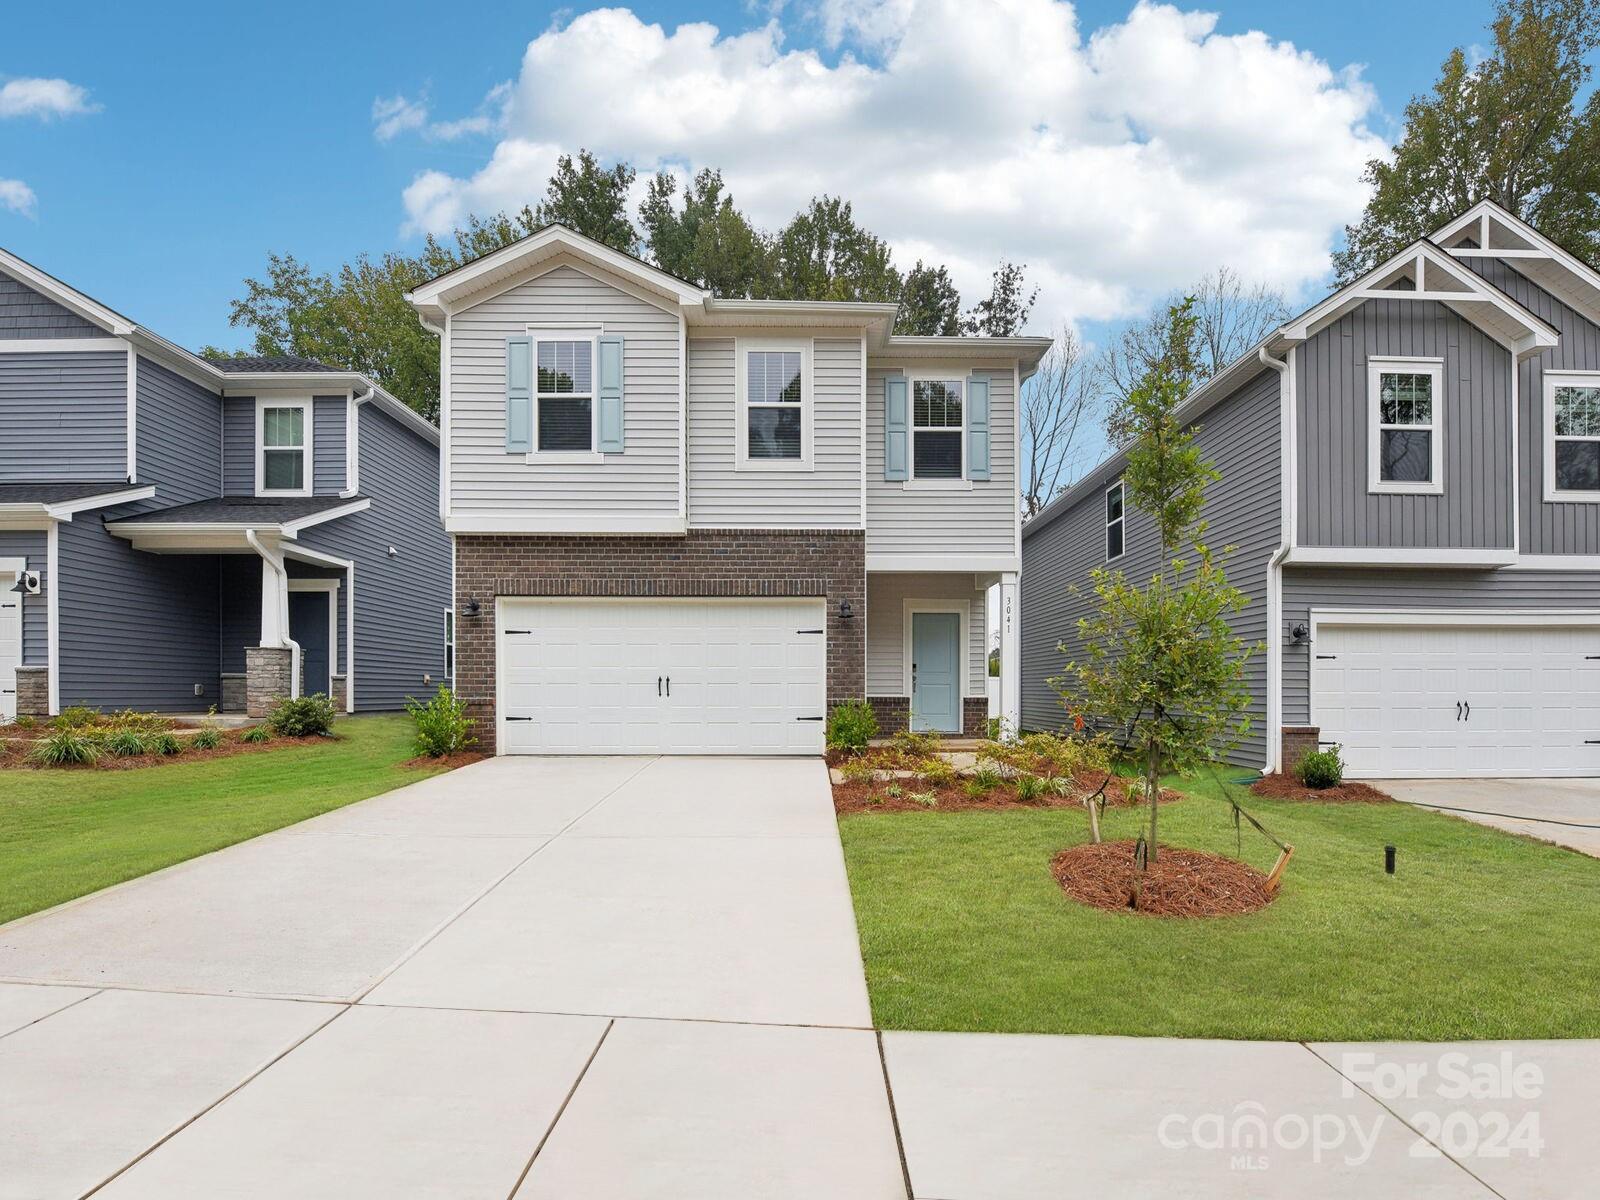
661,676
1459,700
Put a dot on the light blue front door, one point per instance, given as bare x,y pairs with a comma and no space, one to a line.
936,671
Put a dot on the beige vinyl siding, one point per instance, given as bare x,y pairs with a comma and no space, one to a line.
980,521
886,597
486,481
826,497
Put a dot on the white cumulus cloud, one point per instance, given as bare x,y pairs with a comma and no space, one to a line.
1117,164
44,98
18,197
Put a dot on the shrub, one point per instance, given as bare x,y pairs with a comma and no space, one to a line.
858,771
25,722
916,745
136,722
256,735
991,728
984,780
307,716
894,791
66,746
162,743
1031,789
209,738
936,772
124,743
443,726
1321,768
851,726
76,716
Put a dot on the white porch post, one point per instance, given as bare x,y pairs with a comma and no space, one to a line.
274,605
1010,657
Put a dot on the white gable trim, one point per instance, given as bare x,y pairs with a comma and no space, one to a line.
1478,222
68,298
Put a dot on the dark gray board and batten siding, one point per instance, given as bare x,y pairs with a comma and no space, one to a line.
24,313
400,600
1336,508
1240,435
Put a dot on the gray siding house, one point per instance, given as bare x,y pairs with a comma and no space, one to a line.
1411,479
177,534
684,523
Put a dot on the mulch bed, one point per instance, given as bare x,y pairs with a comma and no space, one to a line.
1287,787
1180,883
461,758
849,798
17,758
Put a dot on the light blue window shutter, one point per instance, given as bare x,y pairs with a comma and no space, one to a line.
610,394
978,428
896,438
519,395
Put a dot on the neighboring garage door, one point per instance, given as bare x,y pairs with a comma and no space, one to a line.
661,676
1459,699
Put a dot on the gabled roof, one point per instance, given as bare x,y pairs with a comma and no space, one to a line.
1486,230
69,298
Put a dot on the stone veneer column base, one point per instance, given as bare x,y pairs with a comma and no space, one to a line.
233,692
33,691
829,564
1298,741
266,672
340,693
894,714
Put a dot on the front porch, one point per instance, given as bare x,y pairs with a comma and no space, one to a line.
936,651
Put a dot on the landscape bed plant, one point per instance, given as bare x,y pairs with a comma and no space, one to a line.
82,737
443,729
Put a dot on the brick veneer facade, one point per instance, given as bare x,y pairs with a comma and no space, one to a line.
1298,741
827,564
894,714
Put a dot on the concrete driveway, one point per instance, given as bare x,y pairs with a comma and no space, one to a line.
1570,808
547,979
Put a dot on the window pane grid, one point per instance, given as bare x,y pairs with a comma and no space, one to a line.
1578,412
1577,439
1405,399
283,427
565,369
774,394
773,377
936,404
1405,427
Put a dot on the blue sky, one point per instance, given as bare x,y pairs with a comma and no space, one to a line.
218,134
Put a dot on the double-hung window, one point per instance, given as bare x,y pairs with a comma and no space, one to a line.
283,447
774,405
938,435
564,394
1572,444
1116,522
1405,443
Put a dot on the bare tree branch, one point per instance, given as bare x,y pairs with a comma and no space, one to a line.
1056,405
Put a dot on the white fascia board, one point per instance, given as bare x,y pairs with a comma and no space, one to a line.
293,528
621,525
972,564
67,297
1363,556
65,510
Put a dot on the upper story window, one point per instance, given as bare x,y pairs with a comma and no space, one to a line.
1572,443
283,447
1116,522
1405,443
564,395
937,430
774,404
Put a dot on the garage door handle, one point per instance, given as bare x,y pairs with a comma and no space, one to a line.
1458,710
1469,710
669,685
808,718
658,685
511,631
1327,656
519,718
824,631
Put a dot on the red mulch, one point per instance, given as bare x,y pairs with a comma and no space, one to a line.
19,759
851,798
1180,883
1287,787
461,758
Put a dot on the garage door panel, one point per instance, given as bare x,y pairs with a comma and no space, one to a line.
1517,698
592,676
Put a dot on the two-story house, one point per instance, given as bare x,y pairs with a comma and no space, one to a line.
177,534
1411,479
691,524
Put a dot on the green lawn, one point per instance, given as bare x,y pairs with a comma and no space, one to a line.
1481,934
64,833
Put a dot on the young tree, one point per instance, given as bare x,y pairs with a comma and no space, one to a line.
1056,405
1005,311
930,305
1161,663
1230,316
1507,129
822,254
591,200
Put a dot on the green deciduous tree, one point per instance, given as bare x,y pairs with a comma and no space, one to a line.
930,305
591,199
1507,129
1160,663
1005,311
823,254
708,241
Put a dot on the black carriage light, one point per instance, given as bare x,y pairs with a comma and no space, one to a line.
845,611
1300,633
471,608
1388,860
27,583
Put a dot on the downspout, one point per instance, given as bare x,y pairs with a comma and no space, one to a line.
284,640
1286,498
352,444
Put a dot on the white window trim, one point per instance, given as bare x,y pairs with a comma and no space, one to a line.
1122,521
591,455
1553,380
306,404
742,349
1376,369
956,485
963,608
